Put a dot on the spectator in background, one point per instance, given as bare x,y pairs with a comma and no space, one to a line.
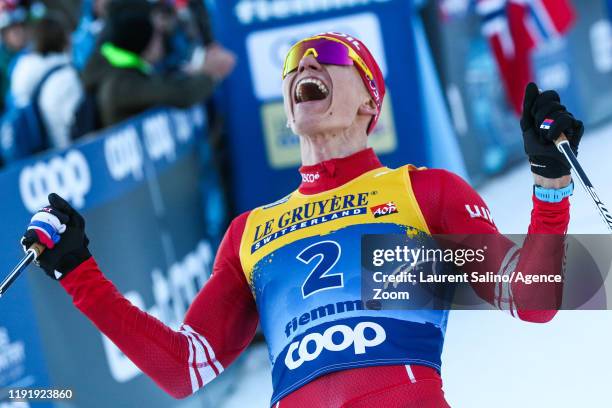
177,46
185,33
14,35
61,91
68,10
122,80
85,37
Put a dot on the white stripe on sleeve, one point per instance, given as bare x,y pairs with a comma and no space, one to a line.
204,367
208,347
192,376
410,374
504,299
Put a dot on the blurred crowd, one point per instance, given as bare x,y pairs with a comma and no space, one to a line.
68,68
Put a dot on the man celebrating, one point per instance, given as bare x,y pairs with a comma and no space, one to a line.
294,264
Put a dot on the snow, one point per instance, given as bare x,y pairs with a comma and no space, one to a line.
255,386
491,359
564,363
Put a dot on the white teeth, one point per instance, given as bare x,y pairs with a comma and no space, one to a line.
320,84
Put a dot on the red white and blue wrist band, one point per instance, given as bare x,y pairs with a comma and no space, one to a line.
47,227
553,195
46,233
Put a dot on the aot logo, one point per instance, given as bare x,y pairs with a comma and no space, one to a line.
384,209
360,339
67,176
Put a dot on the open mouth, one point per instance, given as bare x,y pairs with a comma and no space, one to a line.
310,89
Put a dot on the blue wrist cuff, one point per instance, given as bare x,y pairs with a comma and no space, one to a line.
552,195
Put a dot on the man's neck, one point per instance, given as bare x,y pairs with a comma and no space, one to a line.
335,172
321,147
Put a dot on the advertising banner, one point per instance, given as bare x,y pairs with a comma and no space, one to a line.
22,364
261,32
137,186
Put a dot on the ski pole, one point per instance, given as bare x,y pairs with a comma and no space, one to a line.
565,148
32,254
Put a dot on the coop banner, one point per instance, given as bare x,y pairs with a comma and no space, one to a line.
137,186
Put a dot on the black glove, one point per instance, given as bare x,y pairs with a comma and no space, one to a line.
543,121
61,229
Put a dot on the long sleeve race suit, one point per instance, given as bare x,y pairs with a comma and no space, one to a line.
294,266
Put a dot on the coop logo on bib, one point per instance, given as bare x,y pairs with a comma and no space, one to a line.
336,338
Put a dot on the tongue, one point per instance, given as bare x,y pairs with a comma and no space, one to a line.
311,92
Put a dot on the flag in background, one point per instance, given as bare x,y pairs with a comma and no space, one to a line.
546,19
514,28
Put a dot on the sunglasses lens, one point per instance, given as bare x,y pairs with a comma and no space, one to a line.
325,51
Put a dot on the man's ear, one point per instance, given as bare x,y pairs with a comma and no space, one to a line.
368,108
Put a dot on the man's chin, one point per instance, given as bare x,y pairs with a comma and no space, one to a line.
311,108
312,125
310,116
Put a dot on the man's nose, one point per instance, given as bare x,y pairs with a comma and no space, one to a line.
309,62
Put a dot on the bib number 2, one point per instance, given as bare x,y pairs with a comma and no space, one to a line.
327,254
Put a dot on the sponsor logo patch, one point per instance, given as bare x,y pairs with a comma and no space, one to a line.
310,177
309,214
547,124
476,211
384,209
335,338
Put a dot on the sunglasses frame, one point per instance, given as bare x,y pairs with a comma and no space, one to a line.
351,54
